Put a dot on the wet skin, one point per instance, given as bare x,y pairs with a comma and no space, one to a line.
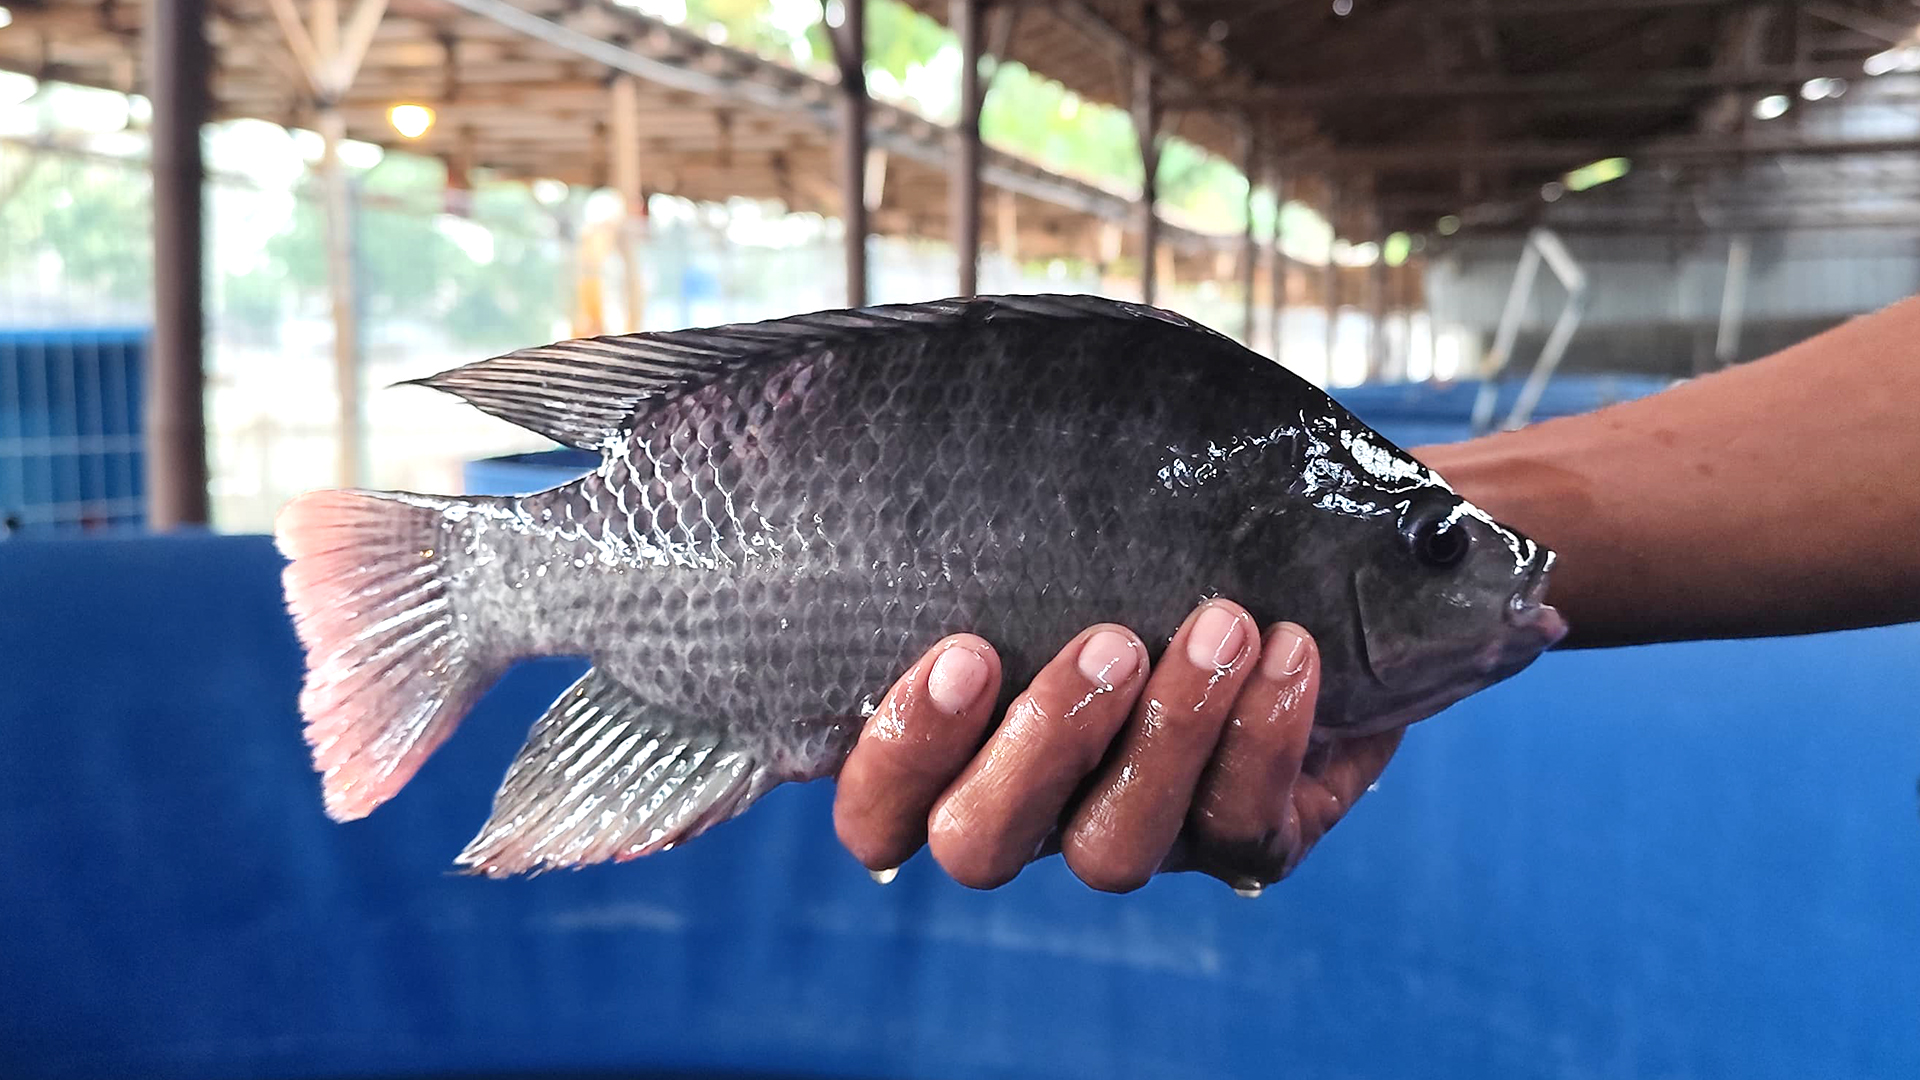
1681,516
1199,763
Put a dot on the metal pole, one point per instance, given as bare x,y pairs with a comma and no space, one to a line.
348,459
1733,300
178,64
851,47
963,182
1550,356
1504,336
1545,247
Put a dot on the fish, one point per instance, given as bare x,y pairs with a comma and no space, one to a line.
787,513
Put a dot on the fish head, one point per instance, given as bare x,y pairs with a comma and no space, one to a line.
1445,601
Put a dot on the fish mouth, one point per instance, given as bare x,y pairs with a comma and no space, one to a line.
1528,610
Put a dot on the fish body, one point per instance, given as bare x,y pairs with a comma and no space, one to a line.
786,515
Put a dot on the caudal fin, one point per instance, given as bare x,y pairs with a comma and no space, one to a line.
388,669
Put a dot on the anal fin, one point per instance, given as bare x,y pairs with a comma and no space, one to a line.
605,776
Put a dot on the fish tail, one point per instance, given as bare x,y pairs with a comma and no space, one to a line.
389,667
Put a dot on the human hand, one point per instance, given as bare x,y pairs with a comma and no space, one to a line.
1201,763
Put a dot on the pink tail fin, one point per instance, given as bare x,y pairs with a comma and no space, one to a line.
388,676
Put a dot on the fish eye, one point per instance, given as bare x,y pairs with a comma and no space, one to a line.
1437,538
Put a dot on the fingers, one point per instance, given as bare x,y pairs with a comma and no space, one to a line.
994,818
1122,830
1243,823
923,733
1325,793
1202,764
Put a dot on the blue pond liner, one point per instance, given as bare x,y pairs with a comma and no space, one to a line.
1688,861
1693,861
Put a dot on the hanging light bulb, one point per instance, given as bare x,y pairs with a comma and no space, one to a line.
410,120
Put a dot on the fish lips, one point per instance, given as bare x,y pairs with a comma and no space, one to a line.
1537,625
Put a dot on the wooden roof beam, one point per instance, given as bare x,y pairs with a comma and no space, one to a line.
630,60
1861,22
1432,157
1172,84
1548,9
1495,9
1639,84
785,91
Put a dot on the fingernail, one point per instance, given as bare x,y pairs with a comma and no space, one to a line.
1286,652
1109,658
1216,637
957,678
884,877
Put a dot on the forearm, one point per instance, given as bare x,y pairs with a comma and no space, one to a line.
1778,497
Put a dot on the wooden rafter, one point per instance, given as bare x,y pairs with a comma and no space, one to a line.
528,95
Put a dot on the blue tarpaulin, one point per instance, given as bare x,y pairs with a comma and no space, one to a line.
1675,862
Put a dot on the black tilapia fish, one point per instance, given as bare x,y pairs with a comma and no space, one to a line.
786,514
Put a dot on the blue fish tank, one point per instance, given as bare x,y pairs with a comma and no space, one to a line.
1687,861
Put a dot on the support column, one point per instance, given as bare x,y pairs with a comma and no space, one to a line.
1146,122
1733,300
329,54
1277,335
850,51
1377,313
1006,221
963,181
623,130
178,63
1278,282
1332,282
1249,247
349,456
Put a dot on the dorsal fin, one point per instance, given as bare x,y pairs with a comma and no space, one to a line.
588,393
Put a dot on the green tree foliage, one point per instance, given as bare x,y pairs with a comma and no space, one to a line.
1042,120
92,217
410,266
1024,113
514,297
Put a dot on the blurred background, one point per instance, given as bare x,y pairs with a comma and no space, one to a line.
228,226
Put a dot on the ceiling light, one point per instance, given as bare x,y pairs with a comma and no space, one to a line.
1771,107
1604,171
411,121
1821,89
1903,58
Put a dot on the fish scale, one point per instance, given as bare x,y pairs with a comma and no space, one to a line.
786,515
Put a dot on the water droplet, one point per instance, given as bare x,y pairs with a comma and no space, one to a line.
1249,892
884,877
